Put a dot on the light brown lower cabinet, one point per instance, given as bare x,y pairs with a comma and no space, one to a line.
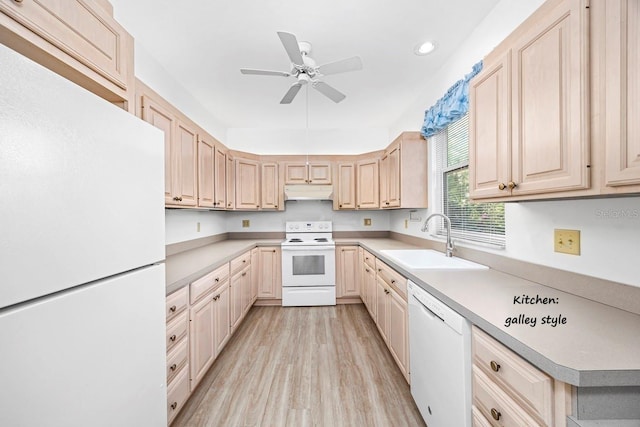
270,272
509,391
177,351
369,290
347,272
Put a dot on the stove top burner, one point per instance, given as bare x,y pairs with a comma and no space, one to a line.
321,239
295,240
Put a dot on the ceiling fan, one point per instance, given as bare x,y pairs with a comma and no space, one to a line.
305,70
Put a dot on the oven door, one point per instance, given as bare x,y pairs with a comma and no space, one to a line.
308,266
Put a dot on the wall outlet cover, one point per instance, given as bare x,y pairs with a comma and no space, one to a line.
367,221
245,223
566,241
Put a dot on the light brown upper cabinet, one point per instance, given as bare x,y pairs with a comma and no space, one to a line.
270,189
212,161
345,196
181,142
529,114
247,184
403,173
622,114
367,189
78,39
231,182
307,173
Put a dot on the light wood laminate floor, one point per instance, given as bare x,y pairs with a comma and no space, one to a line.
303,366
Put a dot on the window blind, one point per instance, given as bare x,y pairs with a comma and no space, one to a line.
475,222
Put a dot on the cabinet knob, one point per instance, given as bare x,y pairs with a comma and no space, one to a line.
339,206
495,414
276,206
501,186
244,260
511,185
393,282
229,204
367,270
358,205
217,279
495,367
174,405
176,199
173,367
244,274
173,309
173,338
274,251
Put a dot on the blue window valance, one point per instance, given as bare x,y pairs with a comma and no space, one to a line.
453,105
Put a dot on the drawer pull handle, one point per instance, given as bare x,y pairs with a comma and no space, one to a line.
217,279
495,367
173,338
174,405
18,1
173,309
393,282
495,414
173,367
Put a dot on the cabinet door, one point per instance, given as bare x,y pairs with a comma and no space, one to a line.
384,181
347,277
185,180
550,146
622,93
255,273
235,300
319,173
270,283
222,316
201,339
367,184
220,178
206,153
490,131
231,182
270,189
83,30
247,184
398,330
296,173
393,178
382,320
346,186
160,118
369,290
246,289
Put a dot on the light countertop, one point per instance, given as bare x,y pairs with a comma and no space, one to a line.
597,346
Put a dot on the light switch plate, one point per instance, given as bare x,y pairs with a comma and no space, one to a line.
566,241
245,223
367,221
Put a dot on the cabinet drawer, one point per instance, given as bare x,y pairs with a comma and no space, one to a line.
478,419
177,330
208,283
369,259
177,359
495,405
392,278
177,394
530,387
241,262
177,303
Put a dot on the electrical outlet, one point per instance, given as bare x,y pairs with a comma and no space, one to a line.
406,223
245,223
367,221
566,241
198,227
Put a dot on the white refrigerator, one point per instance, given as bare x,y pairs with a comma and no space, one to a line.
82,284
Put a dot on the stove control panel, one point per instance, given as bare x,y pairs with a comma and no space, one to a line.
308,227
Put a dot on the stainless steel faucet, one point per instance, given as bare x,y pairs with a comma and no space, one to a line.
447,222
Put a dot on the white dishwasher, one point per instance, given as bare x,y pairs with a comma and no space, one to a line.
440,360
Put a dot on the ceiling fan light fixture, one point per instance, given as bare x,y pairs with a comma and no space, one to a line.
425,48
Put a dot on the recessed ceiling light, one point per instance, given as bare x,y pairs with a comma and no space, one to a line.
424,48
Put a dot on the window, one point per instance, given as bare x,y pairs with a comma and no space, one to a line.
475,222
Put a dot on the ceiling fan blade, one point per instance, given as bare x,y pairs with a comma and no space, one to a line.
264,72
291,93
329,92
290,44
349,64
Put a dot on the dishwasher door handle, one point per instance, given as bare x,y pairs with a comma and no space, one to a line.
426,308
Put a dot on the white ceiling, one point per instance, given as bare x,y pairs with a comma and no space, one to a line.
204,43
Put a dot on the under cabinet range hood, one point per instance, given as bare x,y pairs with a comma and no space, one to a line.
308,192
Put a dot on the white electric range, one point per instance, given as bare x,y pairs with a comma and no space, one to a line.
308,264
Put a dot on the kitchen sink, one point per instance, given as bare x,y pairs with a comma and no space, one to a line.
427,259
